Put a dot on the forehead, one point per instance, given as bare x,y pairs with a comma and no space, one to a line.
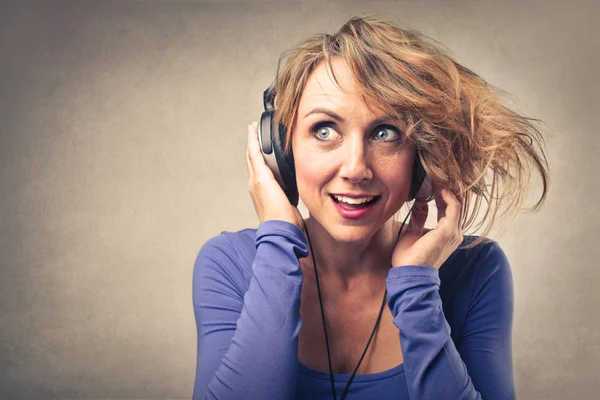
321,90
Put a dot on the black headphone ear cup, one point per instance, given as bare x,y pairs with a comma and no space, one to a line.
272,141
418,177
271,149
286,165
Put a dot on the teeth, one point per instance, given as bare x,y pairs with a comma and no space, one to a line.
350,200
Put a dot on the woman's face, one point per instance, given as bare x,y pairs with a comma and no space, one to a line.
351,153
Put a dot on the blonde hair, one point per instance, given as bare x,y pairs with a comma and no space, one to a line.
454,119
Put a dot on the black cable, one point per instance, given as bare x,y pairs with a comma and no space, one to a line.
312,253
325,323
365,351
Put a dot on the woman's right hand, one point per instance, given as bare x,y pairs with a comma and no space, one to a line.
270,202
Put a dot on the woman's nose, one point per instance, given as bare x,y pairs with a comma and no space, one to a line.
355,164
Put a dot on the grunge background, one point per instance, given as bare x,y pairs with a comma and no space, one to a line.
122,150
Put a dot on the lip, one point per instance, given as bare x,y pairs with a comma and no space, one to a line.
354,214
354,196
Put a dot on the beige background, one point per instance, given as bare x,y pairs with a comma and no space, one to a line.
122,142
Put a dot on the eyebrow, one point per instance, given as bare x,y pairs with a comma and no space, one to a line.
333,115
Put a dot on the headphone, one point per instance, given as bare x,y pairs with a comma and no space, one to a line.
272,145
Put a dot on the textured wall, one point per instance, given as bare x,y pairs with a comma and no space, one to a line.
122,142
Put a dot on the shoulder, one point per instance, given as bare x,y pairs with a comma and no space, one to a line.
493,276
467,272
236,251
474,278
234,243
487,260
483,260
227,257
240,246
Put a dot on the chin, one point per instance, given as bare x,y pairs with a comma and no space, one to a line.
351,233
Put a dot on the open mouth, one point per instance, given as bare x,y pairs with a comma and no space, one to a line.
355,206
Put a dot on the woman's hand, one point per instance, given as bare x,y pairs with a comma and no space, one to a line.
433,248
270,202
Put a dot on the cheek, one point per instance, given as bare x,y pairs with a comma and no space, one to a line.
310,176
313,175
398,179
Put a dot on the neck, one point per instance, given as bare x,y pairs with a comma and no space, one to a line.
347,264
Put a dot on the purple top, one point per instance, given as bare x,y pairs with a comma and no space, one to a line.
455,323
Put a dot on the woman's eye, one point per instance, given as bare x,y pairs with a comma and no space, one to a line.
321,132
387,131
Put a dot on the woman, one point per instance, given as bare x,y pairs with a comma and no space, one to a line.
297,308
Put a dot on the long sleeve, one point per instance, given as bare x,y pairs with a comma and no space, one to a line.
248,342
481,366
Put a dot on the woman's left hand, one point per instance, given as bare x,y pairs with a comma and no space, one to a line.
433,248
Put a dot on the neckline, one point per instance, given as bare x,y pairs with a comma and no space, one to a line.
345,377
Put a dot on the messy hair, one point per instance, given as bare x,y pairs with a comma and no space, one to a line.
465,138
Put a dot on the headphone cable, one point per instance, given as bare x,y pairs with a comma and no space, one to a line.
325,323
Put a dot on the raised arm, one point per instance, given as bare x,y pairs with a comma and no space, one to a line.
481,365
248,342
